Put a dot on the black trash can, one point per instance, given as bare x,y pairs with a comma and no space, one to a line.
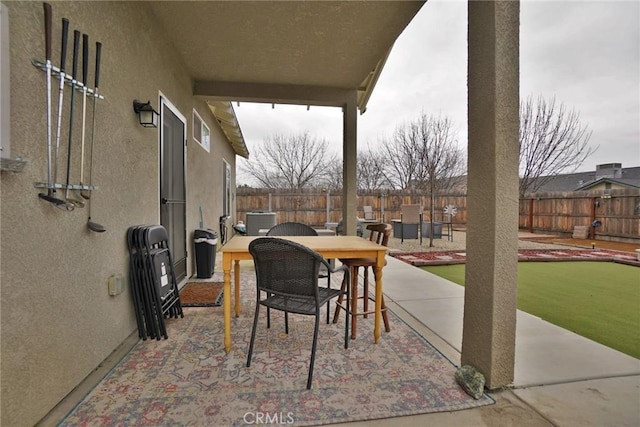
206,242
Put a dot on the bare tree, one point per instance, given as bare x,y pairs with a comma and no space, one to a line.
290,161
552,141
423,155
441,158
370,172
334,175
402,153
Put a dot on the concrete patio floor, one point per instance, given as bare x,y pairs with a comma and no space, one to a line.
561,378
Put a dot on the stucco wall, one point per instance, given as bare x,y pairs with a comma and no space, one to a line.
58,321
488,341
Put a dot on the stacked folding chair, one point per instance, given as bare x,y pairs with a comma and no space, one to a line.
153,284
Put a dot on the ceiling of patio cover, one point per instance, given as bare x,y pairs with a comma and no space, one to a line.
298,52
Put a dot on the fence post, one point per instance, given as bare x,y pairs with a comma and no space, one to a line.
328,197
592,230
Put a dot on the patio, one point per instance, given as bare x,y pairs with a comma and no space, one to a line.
560,377
191,87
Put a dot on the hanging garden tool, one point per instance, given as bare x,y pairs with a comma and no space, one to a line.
78,202
90,224
87,194
85,88
49,196
62,76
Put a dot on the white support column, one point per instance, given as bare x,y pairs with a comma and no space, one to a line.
350,160
488,341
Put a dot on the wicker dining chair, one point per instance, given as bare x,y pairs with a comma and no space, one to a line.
291,229
296,229
380,234
287,280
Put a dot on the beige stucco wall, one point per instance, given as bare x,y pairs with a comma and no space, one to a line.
488,341
57,320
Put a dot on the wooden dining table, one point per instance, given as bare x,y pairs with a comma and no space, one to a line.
237,249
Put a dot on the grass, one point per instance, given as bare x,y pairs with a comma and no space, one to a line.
598,300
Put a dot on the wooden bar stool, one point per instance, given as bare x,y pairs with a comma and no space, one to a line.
380,234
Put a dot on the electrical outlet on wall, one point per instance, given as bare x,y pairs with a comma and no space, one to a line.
116,284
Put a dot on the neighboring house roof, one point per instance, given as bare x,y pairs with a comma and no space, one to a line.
566,182
634,183
580,181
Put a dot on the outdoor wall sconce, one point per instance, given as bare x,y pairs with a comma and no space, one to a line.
147,116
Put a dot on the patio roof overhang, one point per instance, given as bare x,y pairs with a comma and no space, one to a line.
289,52
226,117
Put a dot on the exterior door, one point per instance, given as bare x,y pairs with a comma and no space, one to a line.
172,184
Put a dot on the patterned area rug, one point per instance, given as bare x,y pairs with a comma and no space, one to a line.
189,380
201,294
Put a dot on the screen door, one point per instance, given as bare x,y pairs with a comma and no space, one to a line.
172,185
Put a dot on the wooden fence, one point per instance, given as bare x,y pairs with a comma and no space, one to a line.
617,212
557,213
314,208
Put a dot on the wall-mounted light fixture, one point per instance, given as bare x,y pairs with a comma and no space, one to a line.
147,116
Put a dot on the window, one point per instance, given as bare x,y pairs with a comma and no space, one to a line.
201,132
226,194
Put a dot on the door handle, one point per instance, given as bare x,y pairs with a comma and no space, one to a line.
165,201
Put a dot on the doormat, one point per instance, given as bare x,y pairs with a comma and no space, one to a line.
201,294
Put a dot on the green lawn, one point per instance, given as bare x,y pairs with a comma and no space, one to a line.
598,300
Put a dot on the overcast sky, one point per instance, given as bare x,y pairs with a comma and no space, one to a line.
585,53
